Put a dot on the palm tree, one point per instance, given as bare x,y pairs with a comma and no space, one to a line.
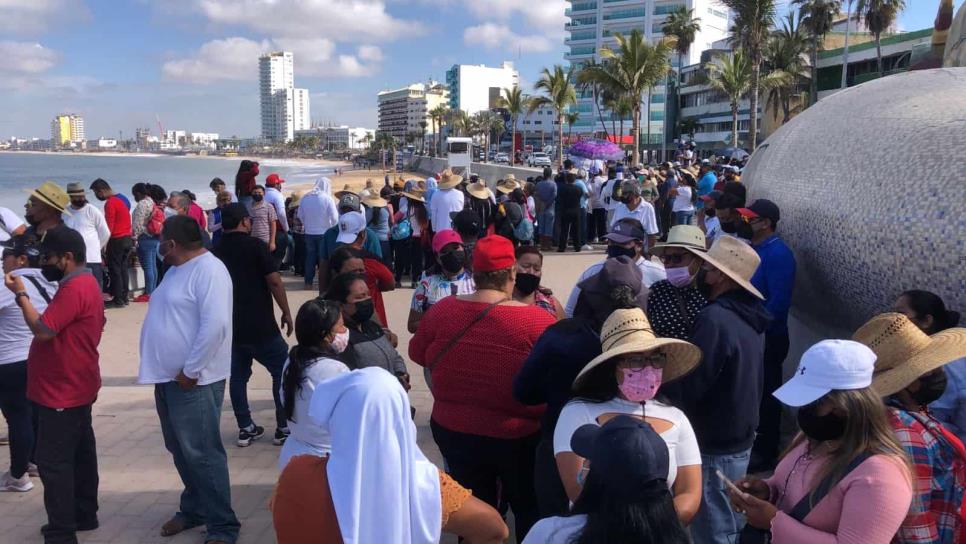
588,80
438,116
460,120
367,139
683,26
785,53
496,126
422,135
816,18
515,102
622,107
879,15
752,26
688,126
385,141
572,117
636,68
731,75
561,94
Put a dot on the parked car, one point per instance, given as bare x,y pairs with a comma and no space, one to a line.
501,158
538,159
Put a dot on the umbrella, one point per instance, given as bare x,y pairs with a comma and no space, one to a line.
733,153
596,149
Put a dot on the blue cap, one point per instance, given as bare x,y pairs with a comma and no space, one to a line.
626,230
625,453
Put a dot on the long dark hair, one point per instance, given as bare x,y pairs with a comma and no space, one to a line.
595,308
340,286
312,324
928,303
157,193
651,519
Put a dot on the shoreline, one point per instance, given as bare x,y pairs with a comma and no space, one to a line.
118,154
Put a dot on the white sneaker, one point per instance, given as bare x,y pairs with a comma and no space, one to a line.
9,483
586,248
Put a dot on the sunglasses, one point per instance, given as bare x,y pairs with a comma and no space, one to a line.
657,360
676,258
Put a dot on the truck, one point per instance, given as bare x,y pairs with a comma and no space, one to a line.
460,155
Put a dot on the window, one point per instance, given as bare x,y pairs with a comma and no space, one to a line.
666,8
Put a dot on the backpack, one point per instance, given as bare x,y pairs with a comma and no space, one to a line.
401,230
523,231
155,222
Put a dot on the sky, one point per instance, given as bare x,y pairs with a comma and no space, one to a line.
123,64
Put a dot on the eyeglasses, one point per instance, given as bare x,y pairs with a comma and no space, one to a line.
677,258
657,360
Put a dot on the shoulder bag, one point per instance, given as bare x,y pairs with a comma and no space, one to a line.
456,338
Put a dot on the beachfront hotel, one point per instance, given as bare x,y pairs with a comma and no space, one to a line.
284,108
67,130
474,87
401,111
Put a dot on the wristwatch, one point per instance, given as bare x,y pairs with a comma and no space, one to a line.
21,294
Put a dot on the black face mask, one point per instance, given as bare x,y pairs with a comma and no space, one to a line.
453,261
931,387
257,198
33,222
701,285
78,203
730,227
820,428
51,272
710,212
614,251
526,283
364,311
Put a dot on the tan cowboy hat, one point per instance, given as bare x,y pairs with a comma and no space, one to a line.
734,259
296,199
374,201
683,236
904,352
52,195
507,186
75,189
345,189
479,189
448,180
414,195
510,177
629,331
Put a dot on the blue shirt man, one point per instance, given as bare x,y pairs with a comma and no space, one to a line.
705,184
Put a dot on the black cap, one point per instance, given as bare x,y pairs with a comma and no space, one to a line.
63,239
23,244
232,215
467,221
625,453
762,208
626,230
350,201
727,201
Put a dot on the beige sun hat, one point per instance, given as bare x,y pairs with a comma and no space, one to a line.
479,189
346,189
413,195
629,331
296,199
52,195
734,259
510,177
904,352
375,201
684,236
507,185
448,180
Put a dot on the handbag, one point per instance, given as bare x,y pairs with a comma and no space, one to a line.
452,341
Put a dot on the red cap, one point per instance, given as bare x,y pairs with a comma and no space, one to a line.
444,238
273,179
493,253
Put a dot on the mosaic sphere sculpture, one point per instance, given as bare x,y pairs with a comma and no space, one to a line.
871,183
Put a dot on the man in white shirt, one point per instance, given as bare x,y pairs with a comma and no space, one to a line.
712,225
186,353
627,239
635,207
89,221
318,213
446,201
10,224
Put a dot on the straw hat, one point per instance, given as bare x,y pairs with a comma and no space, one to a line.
52,195
479,190
413,195
346,189
904,352
629,331
510,177
684,236
75,189
374,201
507,185
296,200
448,180
734,259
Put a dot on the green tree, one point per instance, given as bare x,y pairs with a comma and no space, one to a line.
731,75
750,31
816,19
385,141
683,26
688,126
515,102
461,122
438,116
422,136
879,15
560,95
785,53
587,79
571,117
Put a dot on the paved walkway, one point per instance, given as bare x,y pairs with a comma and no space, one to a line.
139,487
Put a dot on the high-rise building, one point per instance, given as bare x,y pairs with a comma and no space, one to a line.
67,130
474,88
593,25
401,111
284,108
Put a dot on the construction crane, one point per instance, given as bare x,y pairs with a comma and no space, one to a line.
160,128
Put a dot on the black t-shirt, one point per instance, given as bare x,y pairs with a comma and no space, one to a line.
569,196
248,262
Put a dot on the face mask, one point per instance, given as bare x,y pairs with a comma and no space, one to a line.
170,212
931,387
340,341
78,203
680,276
702,285
820,428
614,251
453,261
527,283
51,272
710,212
364,310
730,227
640,384
257,198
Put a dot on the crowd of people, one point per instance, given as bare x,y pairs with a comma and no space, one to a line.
646,408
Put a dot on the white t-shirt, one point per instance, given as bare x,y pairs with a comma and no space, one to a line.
651,273
90,223
556,530
9,222
306,437
445,202
712,229
15,335
681,442
643,213
682,202
188,326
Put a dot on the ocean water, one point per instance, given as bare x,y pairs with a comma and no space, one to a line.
24,171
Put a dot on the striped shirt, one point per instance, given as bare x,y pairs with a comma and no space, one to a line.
263,216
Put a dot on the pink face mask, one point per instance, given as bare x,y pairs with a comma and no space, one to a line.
641,384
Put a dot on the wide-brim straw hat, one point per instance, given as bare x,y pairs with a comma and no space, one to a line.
345,190
734,259
904,352
507,186
478,189
510,177
374,201
683,236
629,331
449,180
52,195
413,195
296,199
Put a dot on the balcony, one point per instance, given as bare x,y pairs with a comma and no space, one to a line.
636,13
581,23
667,8
580,7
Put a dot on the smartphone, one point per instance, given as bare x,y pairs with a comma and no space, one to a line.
731,485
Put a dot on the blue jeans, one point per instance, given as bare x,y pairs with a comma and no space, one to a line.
148,257
683,218
313,254
272,355
190,424
545,222
716,522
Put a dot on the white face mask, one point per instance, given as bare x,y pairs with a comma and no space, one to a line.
340,341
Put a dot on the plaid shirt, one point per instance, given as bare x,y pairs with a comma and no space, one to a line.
939,475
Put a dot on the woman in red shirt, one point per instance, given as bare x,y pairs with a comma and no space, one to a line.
474,345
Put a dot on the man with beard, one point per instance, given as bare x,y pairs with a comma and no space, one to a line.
117,213
89,221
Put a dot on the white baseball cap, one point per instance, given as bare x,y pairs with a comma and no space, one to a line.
828,365
350,225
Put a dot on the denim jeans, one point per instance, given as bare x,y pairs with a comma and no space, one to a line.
270,354
683,218
148,257
313,253
190,424
545,222
97,270
18,412
716,522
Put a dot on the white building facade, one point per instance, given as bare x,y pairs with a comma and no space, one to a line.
403,111
474,88
341,137
284,109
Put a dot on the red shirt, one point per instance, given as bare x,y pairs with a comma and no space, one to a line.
195,212
63,372
379,279
118,217
473,381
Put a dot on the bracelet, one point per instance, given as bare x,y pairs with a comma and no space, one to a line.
21,294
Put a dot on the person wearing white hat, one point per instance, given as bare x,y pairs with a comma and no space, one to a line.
845,477
721,397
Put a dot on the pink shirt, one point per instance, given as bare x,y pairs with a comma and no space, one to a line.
865,507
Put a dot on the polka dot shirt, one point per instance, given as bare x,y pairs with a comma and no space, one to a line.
672,310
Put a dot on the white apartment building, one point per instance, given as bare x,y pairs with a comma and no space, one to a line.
341,137
176,137
401,111
536,128
284,109
474,88
593,25
203,138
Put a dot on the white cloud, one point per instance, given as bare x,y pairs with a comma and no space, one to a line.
26,58
546,16
36,16
499,36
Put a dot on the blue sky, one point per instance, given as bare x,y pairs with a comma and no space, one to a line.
194,62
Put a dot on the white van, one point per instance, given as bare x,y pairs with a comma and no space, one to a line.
460,155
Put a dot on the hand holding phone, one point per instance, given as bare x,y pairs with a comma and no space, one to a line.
731,485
